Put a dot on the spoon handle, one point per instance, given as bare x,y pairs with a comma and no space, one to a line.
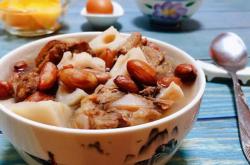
243,113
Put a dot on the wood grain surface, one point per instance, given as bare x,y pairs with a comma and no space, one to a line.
214,138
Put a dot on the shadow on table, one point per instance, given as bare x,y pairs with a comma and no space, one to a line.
9,37
6,36
10,156
228,82
186,26
178,158
88,27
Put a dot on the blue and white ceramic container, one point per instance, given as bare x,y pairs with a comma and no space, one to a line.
150,143
169,11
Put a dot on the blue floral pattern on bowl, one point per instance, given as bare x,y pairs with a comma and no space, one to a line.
162,151
169,10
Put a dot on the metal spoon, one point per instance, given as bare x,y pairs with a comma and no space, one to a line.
229,51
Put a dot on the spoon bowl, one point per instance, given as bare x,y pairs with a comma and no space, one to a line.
229,51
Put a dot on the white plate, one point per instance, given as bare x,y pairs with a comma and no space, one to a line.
212,71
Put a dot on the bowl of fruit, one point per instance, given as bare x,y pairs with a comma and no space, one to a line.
32,17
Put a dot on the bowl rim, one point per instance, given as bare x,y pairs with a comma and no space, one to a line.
119,13
187,107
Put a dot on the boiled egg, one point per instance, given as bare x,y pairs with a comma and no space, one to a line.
99,6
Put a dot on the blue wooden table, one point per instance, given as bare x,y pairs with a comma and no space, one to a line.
214,138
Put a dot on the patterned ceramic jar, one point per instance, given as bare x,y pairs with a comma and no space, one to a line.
150,143
169,11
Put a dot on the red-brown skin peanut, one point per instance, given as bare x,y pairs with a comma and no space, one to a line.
103,77
6,90
166,81
48,76
76,78
186,72
141,72
109,57
126,84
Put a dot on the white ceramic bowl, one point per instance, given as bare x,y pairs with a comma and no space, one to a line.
170,11
153,142
104,20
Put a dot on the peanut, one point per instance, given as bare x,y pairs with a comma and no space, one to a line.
102,77
186,72
109,57
141,72
166,81
48,76
6,90
126,84
76,78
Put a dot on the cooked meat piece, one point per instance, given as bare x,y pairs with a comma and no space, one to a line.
153,45
24,84
126,115
107,95
133,41
88,106
53,51
164,65
6,90
39,96
144,116
106,120
98,118
80,47
166,68
163,104
150,91
80,121
153,56
136,109
132,102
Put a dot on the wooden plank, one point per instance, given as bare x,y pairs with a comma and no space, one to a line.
8,155
209,142
225,5
207,6
218,100
202,20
